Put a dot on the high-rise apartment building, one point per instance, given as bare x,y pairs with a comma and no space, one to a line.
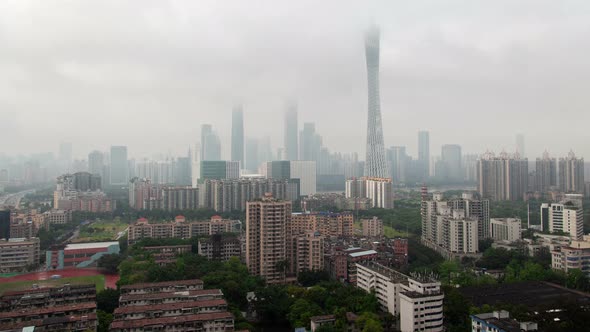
304,171
210,144
502,178
372,227
237,136
291,131
505,229
309,252
182,171
266,238
219,169
448,228
571,174
375,164
119,168
424,153
545,173
566,216
379,190
475,208
328,224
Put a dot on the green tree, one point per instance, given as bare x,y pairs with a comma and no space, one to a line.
301,311
104,320
110,263
107,300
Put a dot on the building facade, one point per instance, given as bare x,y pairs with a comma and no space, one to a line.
18,254
378,190
566,216
506,229
372,227
502,178
571,174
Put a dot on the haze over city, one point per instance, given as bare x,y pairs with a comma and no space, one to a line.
471,73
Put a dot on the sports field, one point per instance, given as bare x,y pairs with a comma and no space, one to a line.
101,230
71,276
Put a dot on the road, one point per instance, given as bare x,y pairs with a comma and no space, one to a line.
13,200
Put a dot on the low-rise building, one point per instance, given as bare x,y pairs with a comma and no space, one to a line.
18,254
164,255
79,254
417,299
220,247
505,229
47,296
499,321
171,306
576,255
372,227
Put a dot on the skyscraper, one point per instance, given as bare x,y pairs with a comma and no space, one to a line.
503,178
210,144
119,169
311,143
449,167
96,163
375,164
266,229
520,145
291,127
252,161
237,135
424,153
398,161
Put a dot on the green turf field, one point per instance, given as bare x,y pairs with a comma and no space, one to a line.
98,280
102,230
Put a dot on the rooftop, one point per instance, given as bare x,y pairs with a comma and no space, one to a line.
91,245
170,306
164,284
363,253
175,320
48,310
167,295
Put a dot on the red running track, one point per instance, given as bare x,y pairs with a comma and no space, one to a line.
110,279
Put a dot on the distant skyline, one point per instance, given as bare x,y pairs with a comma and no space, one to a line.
148,74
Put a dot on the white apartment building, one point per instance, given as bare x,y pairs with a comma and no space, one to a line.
417,299
378,190
505,229
566,216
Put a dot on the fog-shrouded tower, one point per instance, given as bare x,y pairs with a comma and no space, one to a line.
291,141
237,135
375,164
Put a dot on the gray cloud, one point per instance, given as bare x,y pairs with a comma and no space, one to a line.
148,73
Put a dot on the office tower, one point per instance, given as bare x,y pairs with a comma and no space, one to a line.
520,145
571,174
5,224
291,131
375,164
545,173
566,216
252,162
219,170
182,172
424,154
210,144
266,228
237,135
119,168
310,143
502,178
398,162
265,150
448,168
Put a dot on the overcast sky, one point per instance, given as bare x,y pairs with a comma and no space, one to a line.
148,73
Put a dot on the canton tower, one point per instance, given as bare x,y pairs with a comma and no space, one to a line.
375,165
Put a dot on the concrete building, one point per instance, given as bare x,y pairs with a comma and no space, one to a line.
545,173
5,224
566,216
499,321
119,168
506,229
210,144
571,174
237,135
451,227
448,168
378,190
372,227
328,224
232,195
304,171
309,252
416,299
96,164
502,178
18,254
220,247
424,154
266,238
576,255
181,229
79,255
219,170
172,306
398,163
